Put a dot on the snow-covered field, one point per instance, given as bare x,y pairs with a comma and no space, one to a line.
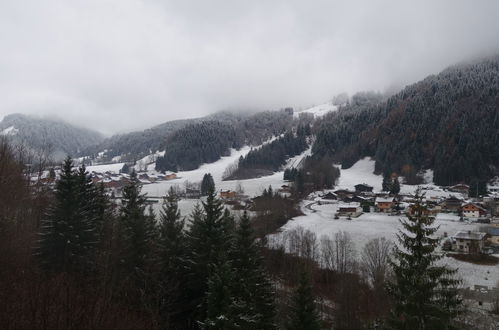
319,219
112,168
252,187
363,172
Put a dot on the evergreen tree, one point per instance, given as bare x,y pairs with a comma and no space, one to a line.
478,188
303,312
252,290
425,294
208,239
52,175
219,301
387,182
125,169
299,182
395,186
207,184
67,236
172,250
138,230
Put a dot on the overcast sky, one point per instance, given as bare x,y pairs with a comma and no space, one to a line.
119,65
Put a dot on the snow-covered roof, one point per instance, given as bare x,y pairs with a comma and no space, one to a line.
348,205
470,235
384,199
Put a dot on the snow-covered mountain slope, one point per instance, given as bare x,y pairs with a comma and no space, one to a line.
52,135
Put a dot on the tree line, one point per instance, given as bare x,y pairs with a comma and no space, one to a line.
271,156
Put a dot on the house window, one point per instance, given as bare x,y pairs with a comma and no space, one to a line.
460,247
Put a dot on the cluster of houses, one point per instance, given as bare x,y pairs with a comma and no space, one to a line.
114,182
484,210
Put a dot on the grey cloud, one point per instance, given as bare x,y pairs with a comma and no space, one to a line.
119,65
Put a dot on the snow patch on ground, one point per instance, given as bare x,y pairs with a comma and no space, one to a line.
360,172
363,172
148,163
318,110
297,160
9,131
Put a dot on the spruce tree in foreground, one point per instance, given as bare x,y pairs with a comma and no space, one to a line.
208,239
172,250
303,312
67,237
138,230
425,294
220,311
252,290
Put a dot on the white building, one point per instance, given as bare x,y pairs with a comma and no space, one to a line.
469,241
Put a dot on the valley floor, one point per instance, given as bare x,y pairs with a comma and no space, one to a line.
320,218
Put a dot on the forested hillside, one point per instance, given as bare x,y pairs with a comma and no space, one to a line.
135,145
270,157
196,144
447,122
55,137
207,141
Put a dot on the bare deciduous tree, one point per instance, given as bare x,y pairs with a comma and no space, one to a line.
303,243
375,260
338,253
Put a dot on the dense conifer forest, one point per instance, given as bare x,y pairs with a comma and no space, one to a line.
206,142
447,122
271,156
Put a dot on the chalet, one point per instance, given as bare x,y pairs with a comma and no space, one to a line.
413,211
384,204
170,176
493,185
330,196
452,204
469,241
343,193
227,194
284,191
362,187
460,188
473,211
349,210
